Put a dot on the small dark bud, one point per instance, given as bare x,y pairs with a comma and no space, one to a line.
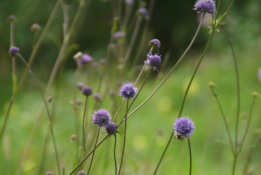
13,51
87,90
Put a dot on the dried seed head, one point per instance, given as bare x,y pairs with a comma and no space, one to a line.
11,18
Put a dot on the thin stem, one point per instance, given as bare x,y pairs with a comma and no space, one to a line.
170,138
190,157
94,150
115,161
124,138
83,124
224,118
47,109
170,72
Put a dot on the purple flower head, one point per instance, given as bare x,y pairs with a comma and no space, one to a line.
205,6
97,97
81,172
87,90
155,43
101,118
259,74
184,127
129,2
118,35
13,51
81,58
154,61
111,128
49,173
127,91
143,12
80,86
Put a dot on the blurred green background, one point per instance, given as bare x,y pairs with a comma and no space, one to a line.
174,24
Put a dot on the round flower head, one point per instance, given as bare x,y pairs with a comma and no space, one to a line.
35,27
101,118
155,43
81,58
127,91
259,74
49,173
81,172
154,61
205,6
13,51
118,35
11,18
80,86
129,2
143,12
111,128
87,90
184,127
97,97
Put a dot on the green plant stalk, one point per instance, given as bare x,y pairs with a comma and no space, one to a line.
31,59
47,109
225,120
114,153
83,125
124,138
190,157
94,150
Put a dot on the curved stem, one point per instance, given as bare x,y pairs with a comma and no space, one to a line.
47,109
225,120
94,150
170,138
190,157
83,124
124,139
115,161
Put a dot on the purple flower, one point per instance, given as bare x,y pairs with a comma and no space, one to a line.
81,58
155,43
111,128
81,172
154,61
118,35
129,2
205,6
143,12
80,86
127,91
87,90
101,118
49,173
97,97
259,74
183,127
13,51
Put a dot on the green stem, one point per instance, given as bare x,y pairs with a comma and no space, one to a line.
115,161
190,157
94,150
83,124
124,138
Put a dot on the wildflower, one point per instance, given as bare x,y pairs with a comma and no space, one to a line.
259,74
129,2
205,6
154,61
81,58
143,12
118,35
35,27
97,97
184,127
81,172
49,173
101,118
13,51
111,128
127,91
87,90
11,18
155,43
80,86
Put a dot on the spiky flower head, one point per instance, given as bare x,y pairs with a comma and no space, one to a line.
154,61
49,173
87,90
101,118
97,97
127,91
184,127
111,128
155,43
81,172
259,74
205,6
13,50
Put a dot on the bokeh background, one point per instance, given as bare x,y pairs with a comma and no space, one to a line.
174,24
